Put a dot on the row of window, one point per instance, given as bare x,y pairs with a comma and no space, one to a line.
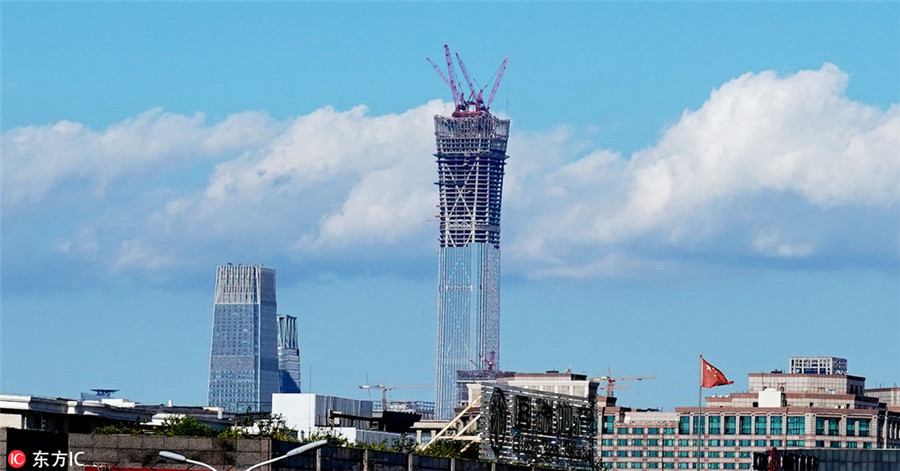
683,465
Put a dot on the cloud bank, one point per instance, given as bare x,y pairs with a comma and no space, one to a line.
770,170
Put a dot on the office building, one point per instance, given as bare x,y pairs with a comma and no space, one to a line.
288,355
471,155
794,411
243,366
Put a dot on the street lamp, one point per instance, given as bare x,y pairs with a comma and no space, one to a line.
296,451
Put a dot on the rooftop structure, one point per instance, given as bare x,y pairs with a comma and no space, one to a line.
818,365
471,155
243,366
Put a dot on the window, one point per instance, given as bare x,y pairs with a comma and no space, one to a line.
621,442
637,430
668,442
637,454
652,454
622,430
820,443
653,431
760,425
851,427
669,430
729,425
834,444
744,466
744,443
775,425
621,465
715,425
745,425
759,443
712,454
668,465
796,426
607,442
796,443
682,466
863,427
728,443
851,444
820,426
684,425
775,443
653,465
637,442
699,425
728,454
834,427
668,454
728,466
606,453
712,442
683,454
652,442
694,442
622,453
684,442
608,423
713,466
867,445
637,465
694,454
744,454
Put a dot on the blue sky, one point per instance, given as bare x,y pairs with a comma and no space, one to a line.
684,178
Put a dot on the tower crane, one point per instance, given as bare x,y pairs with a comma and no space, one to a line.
611,382
384,389
475,105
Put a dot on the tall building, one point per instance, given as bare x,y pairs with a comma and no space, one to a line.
243,365
288,355
471,154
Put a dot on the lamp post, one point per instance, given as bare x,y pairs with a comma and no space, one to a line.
296,451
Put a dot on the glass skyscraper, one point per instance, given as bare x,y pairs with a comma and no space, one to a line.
471,155
243,366
288,354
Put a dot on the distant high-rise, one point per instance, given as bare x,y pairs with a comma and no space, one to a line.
243,366
471,155
288,354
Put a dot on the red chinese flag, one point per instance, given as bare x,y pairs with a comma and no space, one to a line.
712,377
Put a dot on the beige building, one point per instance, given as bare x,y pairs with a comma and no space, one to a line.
781,410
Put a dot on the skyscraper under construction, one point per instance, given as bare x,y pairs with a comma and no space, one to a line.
471,154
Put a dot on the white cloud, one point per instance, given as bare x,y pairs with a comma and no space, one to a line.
769,167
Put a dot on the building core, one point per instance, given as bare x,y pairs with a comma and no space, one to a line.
288,355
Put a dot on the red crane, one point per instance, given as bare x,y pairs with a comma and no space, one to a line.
611,382
475,105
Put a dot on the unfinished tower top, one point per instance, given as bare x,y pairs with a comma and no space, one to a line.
475,104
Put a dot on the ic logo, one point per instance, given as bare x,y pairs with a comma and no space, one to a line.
16,459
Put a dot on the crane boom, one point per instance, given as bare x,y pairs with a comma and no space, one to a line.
497,83
458,97
462,67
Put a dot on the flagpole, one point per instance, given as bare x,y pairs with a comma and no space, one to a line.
699,404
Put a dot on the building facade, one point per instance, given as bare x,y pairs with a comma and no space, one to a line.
243,366
471,155
781,410
288,355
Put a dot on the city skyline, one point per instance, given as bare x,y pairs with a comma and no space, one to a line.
715,178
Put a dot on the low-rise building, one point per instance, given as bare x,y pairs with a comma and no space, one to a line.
783,410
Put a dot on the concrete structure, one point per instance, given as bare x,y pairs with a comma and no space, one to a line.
288,355
782,410
141,453
471,154
84,416
243,366
311,414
